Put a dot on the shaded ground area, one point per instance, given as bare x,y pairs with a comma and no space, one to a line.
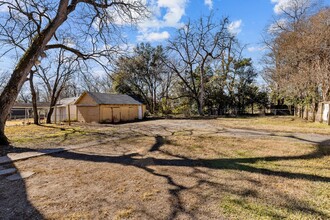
176,169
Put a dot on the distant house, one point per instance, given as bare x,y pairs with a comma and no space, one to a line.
108,108
61,111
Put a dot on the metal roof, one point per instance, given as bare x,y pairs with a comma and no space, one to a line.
29,105
113,99
67,101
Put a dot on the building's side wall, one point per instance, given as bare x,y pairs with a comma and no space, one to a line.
87,109
86,100
58,114
133,112
62,113
105,113
88,113
118,113
144,109
129,112
325,112
73,113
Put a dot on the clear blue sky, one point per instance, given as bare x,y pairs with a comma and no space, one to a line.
249,20
253,15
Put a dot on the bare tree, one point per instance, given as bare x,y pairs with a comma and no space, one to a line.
94,83
92,21
3,80
34,97
297,63
194,48
24,95
56,77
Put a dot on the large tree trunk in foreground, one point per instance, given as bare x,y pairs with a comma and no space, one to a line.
4,139
9,94
23,68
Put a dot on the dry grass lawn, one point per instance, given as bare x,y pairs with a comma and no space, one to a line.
256,168
277,124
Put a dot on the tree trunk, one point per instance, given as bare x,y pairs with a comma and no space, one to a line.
4,140
199,107
24,66
201,94
219,110
34,100
314,110
50,113
155,101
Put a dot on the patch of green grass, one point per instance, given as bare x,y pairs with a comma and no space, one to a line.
234,207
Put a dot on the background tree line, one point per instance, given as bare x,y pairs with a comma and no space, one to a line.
201,70
297,65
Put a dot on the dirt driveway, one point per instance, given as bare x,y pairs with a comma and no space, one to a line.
176,169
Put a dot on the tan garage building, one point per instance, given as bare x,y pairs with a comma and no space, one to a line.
108,108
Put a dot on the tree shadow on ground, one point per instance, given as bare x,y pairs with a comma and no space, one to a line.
235,164
14,202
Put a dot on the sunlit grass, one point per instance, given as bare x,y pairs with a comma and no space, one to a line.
34,136
273,197
236,177
276,123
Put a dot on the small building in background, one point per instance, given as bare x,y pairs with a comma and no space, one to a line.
25,110
108,108
63,108
323,112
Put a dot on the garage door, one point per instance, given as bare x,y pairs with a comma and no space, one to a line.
116,115
107,114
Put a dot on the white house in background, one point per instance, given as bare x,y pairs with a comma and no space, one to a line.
63,108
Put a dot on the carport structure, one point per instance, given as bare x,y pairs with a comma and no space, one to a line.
25,110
